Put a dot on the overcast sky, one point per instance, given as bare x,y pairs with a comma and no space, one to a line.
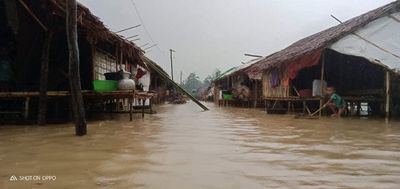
210,34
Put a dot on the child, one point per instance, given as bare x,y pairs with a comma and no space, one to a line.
336,103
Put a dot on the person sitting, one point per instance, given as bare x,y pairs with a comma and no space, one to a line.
335,103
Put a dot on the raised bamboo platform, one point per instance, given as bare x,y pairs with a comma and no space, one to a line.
271,104
124,97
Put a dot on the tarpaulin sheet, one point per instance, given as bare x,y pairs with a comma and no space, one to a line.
384,32
303,62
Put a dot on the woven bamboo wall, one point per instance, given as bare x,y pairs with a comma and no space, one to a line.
279,91
103,63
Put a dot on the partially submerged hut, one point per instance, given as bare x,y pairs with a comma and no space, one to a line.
360,58
235,83
24,26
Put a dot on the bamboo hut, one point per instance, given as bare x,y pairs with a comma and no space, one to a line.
360,58
158,86
245,91
24,26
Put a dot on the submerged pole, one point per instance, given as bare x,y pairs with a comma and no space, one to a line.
78,109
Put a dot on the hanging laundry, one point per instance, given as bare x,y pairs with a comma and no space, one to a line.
274,78
140,73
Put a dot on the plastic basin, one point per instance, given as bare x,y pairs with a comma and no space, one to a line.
105,85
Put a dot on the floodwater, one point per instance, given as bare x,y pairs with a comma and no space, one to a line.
182,147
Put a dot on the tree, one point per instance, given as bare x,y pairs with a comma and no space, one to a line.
192,82
78,109
209,79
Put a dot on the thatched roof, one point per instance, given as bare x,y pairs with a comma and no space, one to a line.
319,40
237,70
95,28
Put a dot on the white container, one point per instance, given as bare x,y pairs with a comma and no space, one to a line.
126,83
316,87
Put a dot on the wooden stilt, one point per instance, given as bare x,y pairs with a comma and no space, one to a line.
151,105
143,106
26,109
44,72
255,94
78,108
130,103
387,99
322,82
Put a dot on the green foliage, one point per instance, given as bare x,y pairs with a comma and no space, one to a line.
192,82
209,79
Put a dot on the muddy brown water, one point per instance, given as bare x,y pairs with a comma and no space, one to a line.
182,147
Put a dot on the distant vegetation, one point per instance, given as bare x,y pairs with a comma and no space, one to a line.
193,83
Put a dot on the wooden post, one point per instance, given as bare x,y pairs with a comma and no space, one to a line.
121,57
172,65
387,91
180,81
322,82
26,108
255,94
78,108
130,102
44,72
143,106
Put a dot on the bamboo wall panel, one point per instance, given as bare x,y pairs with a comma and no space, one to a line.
279,91
103,63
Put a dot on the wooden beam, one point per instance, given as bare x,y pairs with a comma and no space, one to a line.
30,12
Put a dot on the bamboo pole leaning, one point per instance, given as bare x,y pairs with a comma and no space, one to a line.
166,77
